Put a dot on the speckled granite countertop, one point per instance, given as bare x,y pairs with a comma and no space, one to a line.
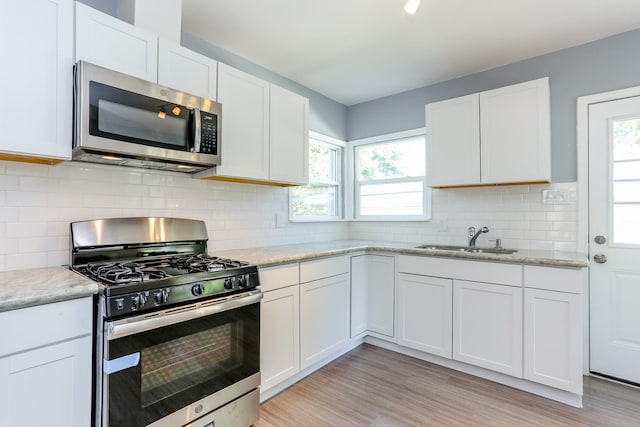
272,255
26,288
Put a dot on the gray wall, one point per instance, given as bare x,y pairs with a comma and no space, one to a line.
604,65
326,116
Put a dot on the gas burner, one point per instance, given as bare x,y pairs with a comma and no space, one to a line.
204,263
118,273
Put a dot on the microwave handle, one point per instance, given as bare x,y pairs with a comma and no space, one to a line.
196,131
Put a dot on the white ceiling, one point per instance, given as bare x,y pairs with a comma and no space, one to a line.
358,50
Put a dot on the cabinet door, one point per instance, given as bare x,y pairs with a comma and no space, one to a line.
453,141
553,339
380,294
424,313
289,137
487,326
359,291
515,133
324,318
186,70
245,124
49,385
111,43
36,41
279,335
372,295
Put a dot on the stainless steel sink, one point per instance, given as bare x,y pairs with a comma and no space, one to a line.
472,249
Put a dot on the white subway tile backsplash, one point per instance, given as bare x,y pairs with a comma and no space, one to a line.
513,213
38,202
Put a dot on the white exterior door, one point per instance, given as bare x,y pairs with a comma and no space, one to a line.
614,238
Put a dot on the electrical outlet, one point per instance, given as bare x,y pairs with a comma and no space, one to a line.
555,197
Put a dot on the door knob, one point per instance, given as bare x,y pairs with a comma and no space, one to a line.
600,258
601,240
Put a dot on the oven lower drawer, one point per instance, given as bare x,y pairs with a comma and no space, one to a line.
242,412
212,405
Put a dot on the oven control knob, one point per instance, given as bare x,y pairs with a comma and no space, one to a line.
228,283
197,289
242,281
161,296
135,301
139,300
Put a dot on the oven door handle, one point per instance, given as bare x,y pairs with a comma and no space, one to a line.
134,325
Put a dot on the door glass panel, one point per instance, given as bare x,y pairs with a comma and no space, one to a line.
180,364
626,181
626,224
626,139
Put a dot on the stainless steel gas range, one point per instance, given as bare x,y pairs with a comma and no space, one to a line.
177,330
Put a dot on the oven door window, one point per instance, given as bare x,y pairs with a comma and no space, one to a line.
131,117
182,363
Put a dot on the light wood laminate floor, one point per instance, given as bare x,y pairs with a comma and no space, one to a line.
371,386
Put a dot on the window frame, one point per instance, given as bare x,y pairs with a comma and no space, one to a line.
339,183
354,183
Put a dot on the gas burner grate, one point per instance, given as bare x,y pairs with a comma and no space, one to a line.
204,263
119,273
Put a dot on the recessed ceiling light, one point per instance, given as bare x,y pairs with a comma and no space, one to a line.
412,6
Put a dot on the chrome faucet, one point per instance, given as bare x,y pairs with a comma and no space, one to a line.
473,234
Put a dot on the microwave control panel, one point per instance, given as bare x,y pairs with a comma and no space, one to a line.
209,133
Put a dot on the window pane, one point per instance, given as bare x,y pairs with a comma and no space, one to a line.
314,200
626,171
626,139
322,163
394,159
626,191
404,198
626,224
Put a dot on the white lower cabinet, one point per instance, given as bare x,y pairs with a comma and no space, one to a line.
553,327
324,317
487,326
279,335
425,313
45,365
279,324
373,295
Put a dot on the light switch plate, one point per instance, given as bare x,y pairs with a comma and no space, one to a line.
555,197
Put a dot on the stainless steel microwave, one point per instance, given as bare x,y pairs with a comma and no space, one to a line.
123,120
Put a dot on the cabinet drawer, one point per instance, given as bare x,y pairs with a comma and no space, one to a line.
279,276
553,279
327,267
478,271
37,326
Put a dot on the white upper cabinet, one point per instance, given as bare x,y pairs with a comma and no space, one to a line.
245,124
186,70
456,123
288,137
265,131
515,133
111,43
37,73
500,136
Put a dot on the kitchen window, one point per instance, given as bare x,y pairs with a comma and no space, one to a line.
321,199
390,178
